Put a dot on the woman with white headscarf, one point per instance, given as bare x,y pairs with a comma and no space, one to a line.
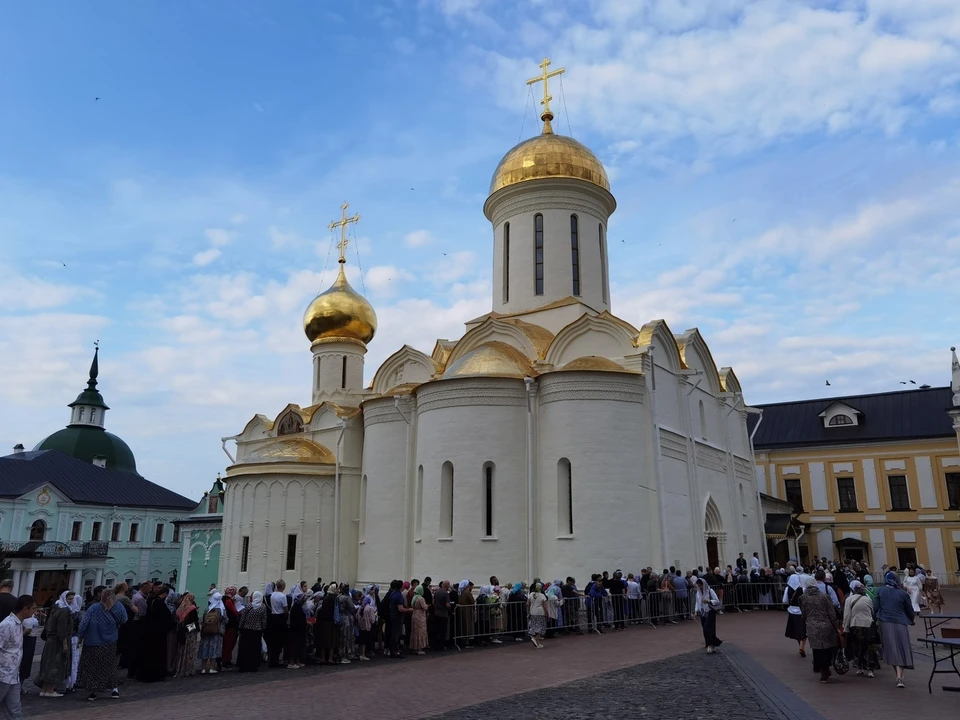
57,658
253,620
707,604
211,635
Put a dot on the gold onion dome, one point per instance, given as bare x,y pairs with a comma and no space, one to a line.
340,312
549,156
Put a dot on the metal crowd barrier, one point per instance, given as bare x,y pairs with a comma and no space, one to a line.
482,623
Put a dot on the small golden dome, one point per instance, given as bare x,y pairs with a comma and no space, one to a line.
549,156
494,359
340,312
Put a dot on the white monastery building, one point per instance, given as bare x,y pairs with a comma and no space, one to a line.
552,439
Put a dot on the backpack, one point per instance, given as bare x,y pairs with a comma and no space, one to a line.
211,623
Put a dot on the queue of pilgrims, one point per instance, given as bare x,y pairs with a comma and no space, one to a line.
153,633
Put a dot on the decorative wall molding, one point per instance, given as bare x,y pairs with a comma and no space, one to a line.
709,458
573,386
473,392
556,198
673,445
743,469
374,414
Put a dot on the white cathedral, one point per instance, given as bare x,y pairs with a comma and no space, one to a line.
552,439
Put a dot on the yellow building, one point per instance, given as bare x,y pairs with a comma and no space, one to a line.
871,477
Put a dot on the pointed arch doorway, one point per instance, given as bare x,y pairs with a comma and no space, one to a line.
714,534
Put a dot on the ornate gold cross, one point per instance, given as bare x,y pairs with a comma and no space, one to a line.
547,116
342,224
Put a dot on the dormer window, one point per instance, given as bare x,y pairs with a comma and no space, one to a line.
839,414
841,420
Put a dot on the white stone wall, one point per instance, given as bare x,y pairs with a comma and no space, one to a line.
599,422
470,422
381,548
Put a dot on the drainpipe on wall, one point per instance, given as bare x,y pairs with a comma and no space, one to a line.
336,503
760,518
406,493
528,382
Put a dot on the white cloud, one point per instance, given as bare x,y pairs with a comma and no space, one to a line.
386,279
206,257
417,238
218,237
20,292
258,107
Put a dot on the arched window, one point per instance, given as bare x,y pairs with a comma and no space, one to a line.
488,499
564,497
841,420
93,415
343,373
446,500
603,264
363,508
506,262
703,422
38,530
419,519
538,253
80,415
575,253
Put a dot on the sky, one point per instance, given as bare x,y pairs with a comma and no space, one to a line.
787,175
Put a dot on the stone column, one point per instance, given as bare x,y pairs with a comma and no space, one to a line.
99,579
15,576
184,560
28,582
76,580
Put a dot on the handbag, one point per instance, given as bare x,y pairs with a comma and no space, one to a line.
840,663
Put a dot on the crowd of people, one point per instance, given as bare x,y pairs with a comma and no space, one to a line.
848,619
154,633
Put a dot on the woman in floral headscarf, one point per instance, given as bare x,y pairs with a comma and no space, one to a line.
188,636
367,622
418,626
233,619
348,620
466,615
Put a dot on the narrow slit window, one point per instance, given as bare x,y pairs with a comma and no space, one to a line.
244,552
564,497
446,500
603,264
291,552
343,373
506,262
419,518
575,254
488,500
363,508
538,253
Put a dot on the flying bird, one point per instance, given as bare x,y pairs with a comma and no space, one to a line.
96,98
63,263
828,383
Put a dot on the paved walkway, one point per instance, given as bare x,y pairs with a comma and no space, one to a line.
665,662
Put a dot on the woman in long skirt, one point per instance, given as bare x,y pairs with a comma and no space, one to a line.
253,620
57,658
152,649
418,626
230,633
796,629
30,633
211,638
537,604
707,604
823,626
894,611
99,630
188,637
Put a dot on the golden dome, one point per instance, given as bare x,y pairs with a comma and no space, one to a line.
549,156
593,363
340,312
495,359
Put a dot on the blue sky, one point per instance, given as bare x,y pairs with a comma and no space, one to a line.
786,174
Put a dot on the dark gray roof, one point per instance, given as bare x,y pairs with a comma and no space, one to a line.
903,415
84,482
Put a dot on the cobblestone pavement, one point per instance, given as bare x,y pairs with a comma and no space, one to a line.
693,686
639,670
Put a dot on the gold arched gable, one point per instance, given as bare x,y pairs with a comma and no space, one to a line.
326,415
491,359
442,350
601,335
657,333
508,332
290,450
406,366
729,381
696,355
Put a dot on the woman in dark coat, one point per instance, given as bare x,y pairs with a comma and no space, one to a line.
253,621
822,624
152,652
125,643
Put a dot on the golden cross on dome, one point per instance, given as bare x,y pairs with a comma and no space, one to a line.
546,116
342,224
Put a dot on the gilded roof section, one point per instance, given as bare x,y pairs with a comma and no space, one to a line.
493,359
594,363
548,156
539,336
290,449
441,351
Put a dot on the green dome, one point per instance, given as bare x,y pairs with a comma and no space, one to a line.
85,442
